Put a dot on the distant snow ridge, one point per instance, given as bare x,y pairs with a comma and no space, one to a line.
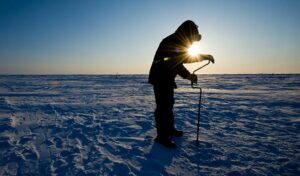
104,125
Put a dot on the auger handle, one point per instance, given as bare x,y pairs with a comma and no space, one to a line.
192,84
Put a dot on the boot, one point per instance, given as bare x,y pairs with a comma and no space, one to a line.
176,133
165,141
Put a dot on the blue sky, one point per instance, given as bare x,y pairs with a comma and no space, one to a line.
118,36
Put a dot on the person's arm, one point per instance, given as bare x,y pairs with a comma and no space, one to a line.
206,57
199,58
184,73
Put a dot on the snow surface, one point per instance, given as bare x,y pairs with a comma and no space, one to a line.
104,125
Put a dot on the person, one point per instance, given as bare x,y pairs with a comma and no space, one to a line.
167,63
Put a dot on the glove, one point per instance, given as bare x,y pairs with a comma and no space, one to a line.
193,78
211,58
208,57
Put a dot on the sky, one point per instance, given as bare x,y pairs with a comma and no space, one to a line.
121,37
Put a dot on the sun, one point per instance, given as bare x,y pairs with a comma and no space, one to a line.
194,49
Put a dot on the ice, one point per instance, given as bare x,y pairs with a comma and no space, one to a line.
104,125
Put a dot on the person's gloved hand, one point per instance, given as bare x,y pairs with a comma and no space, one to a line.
208,57
193,78
211,58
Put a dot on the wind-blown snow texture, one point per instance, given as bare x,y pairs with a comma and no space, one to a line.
104,125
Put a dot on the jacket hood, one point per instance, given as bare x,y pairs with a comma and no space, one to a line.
187,32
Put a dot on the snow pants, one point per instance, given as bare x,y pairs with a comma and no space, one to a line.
164,118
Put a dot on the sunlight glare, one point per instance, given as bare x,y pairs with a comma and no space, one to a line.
194,49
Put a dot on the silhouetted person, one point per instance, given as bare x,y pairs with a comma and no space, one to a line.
167,63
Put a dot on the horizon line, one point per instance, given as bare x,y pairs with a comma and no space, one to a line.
120,74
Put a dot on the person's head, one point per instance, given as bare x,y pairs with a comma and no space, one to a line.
188,33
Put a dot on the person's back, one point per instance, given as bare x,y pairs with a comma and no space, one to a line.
167,63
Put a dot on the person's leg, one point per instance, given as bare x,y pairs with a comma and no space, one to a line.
172,131
164,118
164,97
169,116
